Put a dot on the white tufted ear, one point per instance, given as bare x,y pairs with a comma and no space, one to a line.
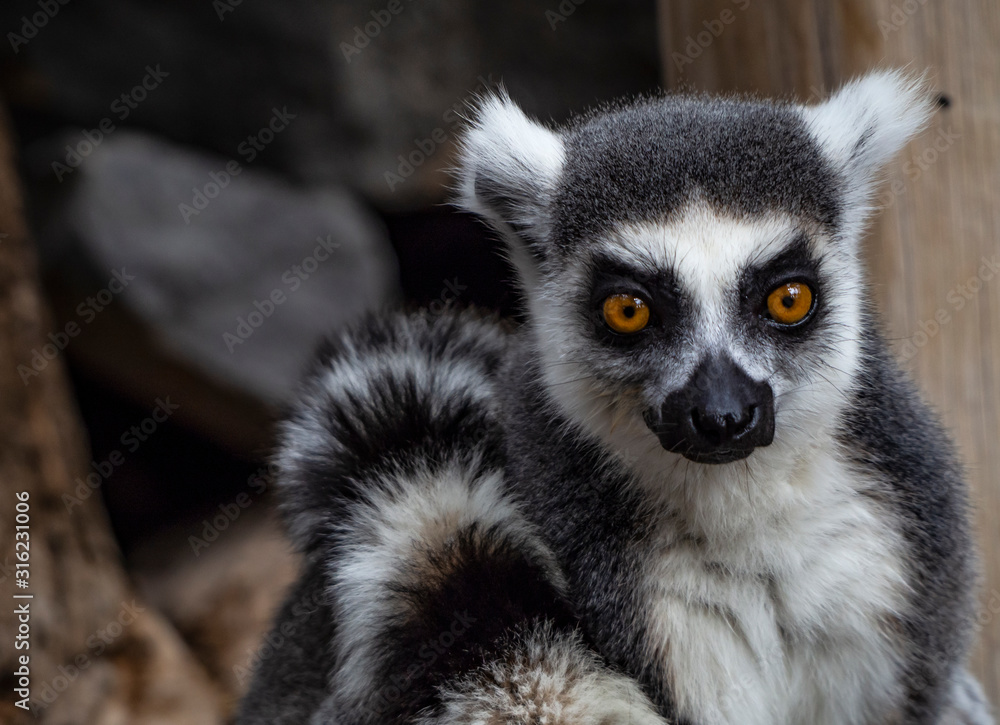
509,167
867,122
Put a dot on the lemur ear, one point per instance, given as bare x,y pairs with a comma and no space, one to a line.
509,167
867,122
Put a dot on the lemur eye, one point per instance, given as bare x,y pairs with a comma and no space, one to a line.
790,302
626,314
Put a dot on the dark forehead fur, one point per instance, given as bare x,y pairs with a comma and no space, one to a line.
643,161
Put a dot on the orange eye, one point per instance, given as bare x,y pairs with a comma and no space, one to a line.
626,314
790,303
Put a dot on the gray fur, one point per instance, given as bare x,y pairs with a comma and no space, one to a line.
665,153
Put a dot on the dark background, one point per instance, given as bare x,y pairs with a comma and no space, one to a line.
228,67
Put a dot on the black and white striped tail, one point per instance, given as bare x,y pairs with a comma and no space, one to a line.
443,602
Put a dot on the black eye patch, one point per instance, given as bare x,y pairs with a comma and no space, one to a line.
795,264
657,288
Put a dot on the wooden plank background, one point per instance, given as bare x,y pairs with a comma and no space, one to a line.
940,216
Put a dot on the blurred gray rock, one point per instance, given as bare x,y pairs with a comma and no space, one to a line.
238,271
369,80
404,79
228,63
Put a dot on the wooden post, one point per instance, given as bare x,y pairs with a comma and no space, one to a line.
941,219
97,654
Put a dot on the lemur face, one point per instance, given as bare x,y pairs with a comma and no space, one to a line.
690,266
710,329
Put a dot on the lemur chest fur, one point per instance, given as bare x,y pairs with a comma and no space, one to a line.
782,612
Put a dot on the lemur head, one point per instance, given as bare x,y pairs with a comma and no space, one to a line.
690,265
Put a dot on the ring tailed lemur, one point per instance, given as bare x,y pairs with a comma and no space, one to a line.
692,488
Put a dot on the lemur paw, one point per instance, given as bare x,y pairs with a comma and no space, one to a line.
546,679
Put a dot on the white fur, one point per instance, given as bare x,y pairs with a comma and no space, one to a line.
783,619
865,124
709,251
519,155
389,536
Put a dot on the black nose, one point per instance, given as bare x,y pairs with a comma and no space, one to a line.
720,415
720,425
